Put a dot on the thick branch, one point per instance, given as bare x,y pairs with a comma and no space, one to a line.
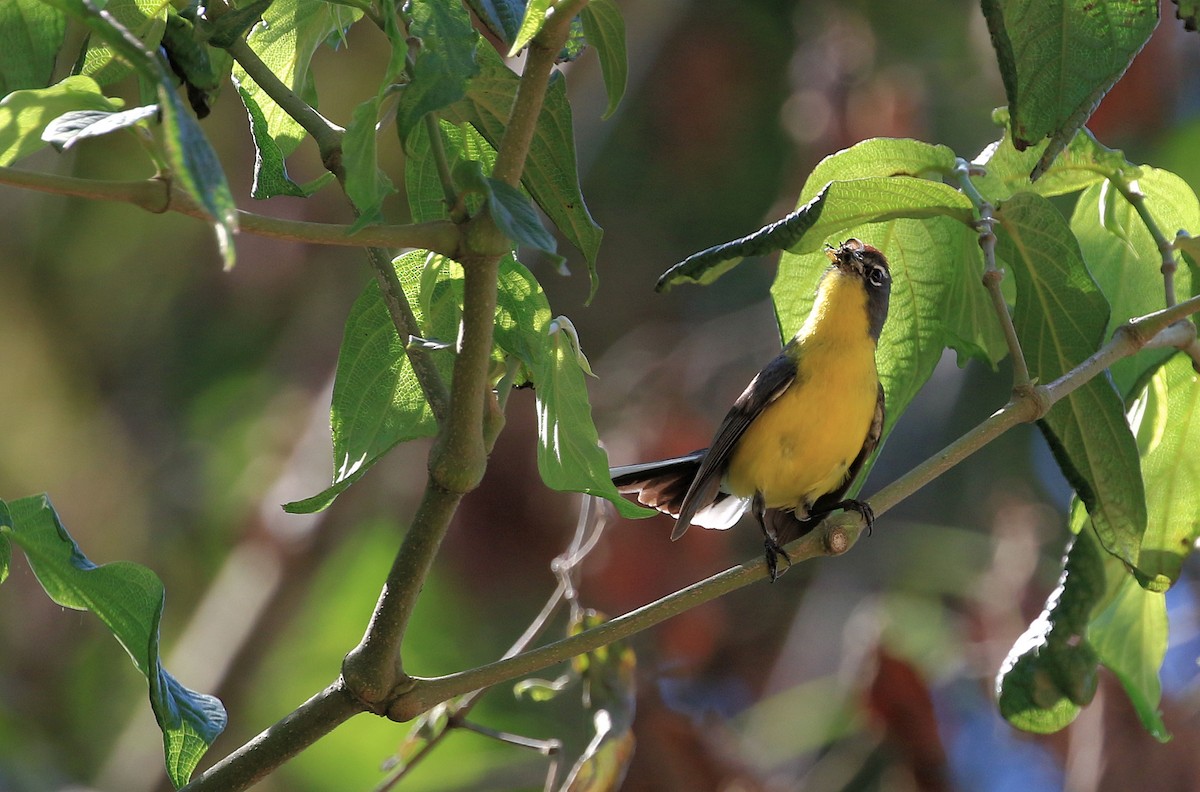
311,721
833,539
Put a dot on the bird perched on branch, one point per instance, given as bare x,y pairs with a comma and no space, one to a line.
794,441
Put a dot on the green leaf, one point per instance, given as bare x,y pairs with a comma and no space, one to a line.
840,206
550,173
1166,422
531,24
111,58
1060,319
128,598
1130,638
289,35
514,215
377,400
270,172
423,186
1058,59
1083,163
366,185
522,317
233,24
70,128
1125,260
605,30
443,65
569,455
24,115
878,157
195,167
1050,672
1188,11
31,34
501,17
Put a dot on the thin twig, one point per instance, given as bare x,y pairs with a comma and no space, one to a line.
155,195
992,275
1166,248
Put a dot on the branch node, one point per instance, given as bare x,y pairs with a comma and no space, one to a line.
836,540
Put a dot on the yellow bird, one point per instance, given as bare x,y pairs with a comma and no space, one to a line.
794,441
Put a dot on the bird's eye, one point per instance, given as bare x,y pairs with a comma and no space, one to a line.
875,276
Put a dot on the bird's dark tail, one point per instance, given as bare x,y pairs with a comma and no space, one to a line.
662,485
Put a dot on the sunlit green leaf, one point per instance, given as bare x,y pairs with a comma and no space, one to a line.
531,24
1060,318
1125,260
366,184
1058,59
377,400
128,598
107,59
270,172
569,455
287,38
1188,11
605,31
1130,638
1082,163
31,34
24,115
1166,419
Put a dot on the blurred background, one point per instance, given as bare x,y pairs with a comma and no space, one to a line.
169,408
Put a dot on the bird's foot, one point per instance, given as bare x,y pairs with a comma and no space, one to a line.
864,509
774,551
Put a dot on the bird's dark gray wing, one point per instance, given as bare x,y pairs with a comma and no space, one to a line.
766,387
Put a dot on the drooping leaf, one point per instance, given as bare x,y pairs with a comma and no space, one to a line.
128,598
287,38
25,114
569,455
270,171
871,159
1060,318
31,34
1058,59
443,65
1050,673
195,167
550,173
366,184
1124,259
841,205
604,29
377,400
188,54
70,128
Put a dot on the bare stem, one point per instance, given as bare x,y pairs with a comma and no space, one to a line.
1166,248
992,276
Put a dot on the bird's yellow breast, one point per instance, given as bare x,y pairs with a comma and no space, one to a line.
802,444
